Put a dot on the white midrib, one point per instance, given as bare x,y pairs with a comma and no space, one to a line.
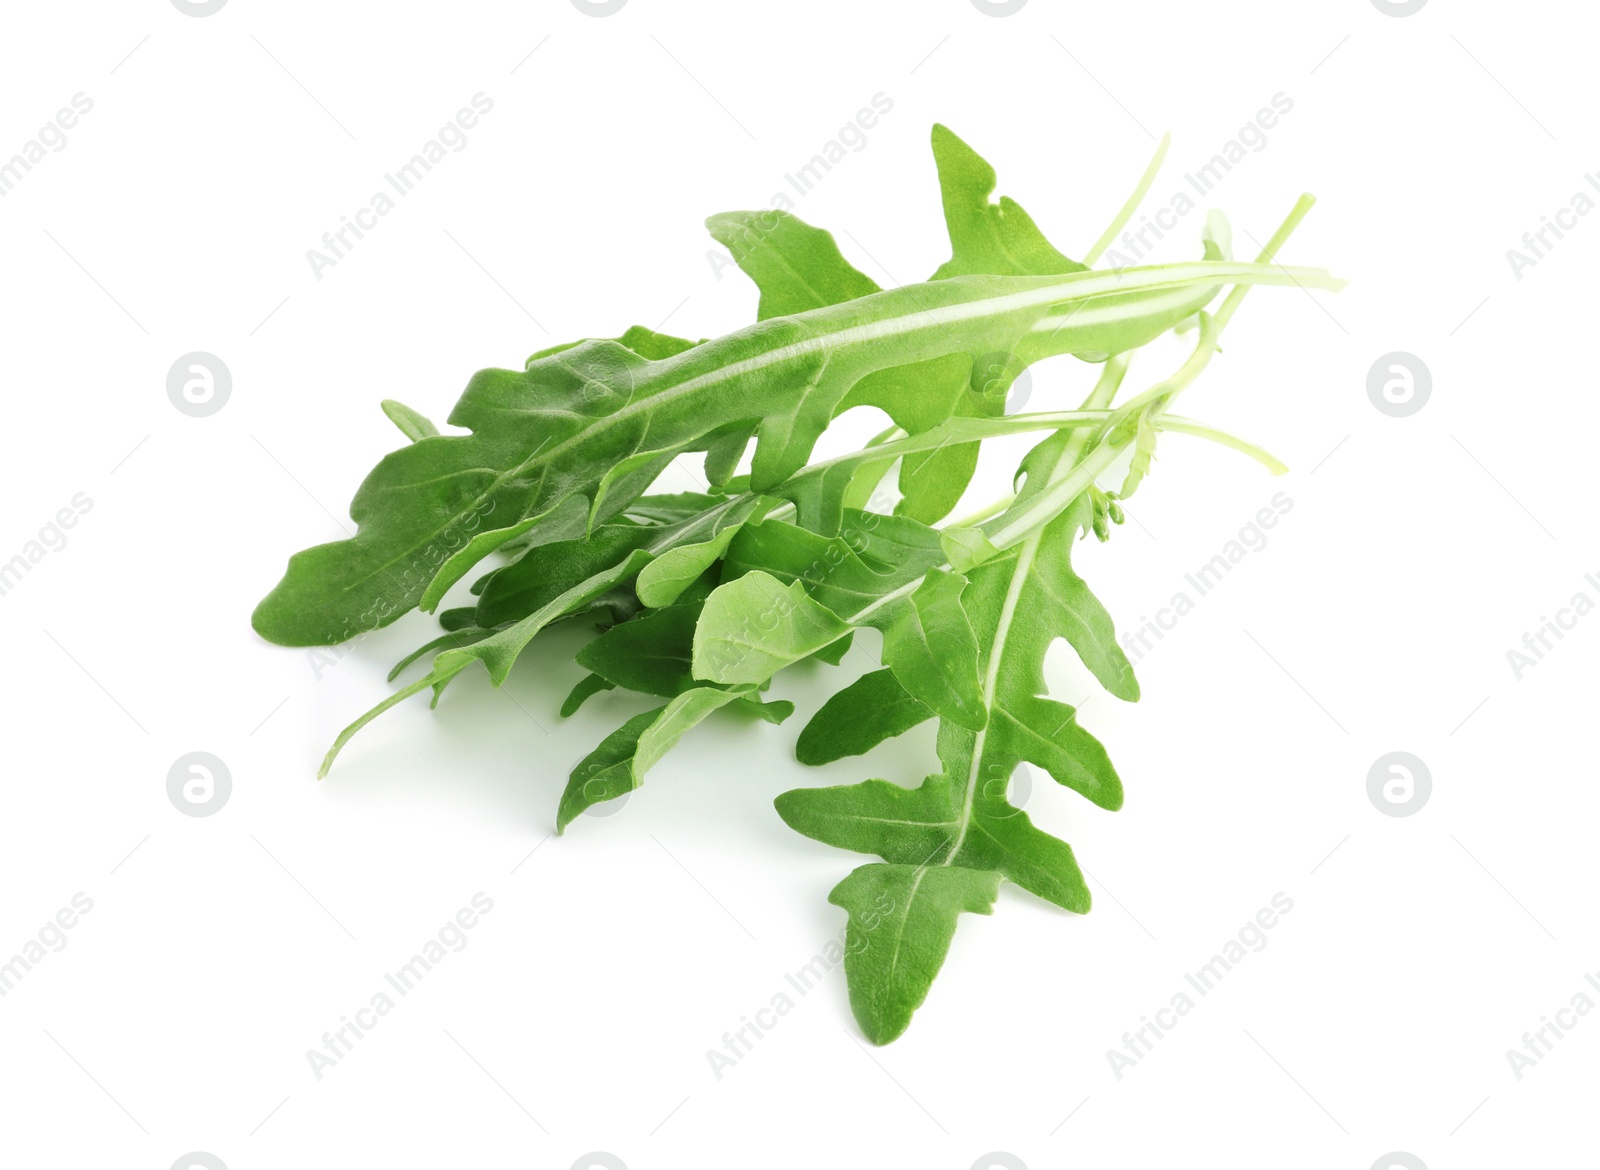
1073,459
1079,286
1026,551
1085,471
899,943
991,684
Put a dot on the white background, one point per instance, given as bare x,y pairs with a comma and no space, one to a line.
1378,617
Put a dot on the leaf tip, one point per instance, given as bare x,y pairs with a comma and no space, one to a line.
879,1030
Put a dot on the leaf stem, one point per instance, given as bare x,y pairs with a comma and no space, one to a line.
965,430
1122,217
1110,440
993,508
1187,426
1268,255
399,696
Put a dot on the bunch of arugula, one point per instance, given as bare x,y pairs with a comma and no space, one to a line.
700,599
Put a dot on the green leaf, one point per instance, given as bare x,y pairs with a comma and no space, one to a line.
991,238
824,492
871,557
966,548
796,266
499,651
929,645
568,520
605,773
588,686
649,654
694,538
675,569
670,509
723,454
933,484
902,918
619,764
460,564
881,572
870,710
833,653
457,619
918,395
701,598
774,712
754,627
555,430
626,479
412,424
904,825
459,637
987,237
1019,601
647,343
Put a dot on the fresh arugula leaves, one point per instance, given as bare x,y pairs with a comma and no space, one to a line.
700,600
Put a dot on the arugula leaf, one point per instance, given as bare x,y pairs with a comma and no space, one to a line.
857,719
793,593
960,818
988,238
996,238
412,425
649,654
1023,595
700,599
647,343
757,627
796,266
619,764
902,918
587,687
689,544
566,424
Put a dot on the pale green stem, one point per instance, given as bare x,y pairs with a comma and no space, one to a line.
399,696
1051,502
1108,443
1116,367
968,430
1187,426
993,508
1132,205
1268,255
